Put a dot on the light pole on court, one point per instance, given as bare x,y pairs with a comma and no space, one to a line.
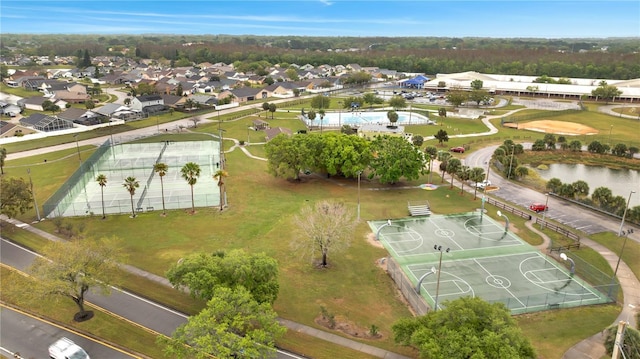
78,147
506,226
380,229
573,264
440,249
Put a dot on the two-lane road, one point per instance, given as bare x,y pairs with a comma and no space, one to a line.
134,308
30,337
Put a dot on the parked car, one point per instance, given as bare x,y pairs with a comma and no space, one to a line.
65,348
538,207
457,149
483,184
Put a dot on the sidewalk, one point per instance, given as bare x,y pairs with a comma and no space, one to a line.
297,327
593,347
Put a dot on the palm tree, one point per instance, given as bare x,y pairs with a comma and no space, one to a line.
161,169
443,157
477,175
321,113
453,165
464,173
102,181
191,172
219,176
131,183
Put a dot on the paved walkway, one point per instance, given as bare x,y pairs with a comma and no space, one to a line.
593,347
297,327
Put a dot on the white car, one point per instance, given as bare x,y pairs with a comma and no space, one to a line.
483,184
65,348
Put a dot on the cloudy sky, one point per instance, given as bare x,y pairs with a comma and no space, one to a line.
447,18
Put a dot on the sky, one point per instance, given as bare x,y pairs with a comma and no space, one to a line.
362,18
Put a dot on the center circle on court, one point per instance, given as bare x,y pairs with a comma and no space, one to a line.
498,281
444,233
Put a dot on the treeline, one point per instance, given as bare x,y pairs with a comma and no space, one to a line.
534,57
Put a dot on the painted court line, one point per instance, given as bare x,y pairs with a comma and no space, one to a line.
507,289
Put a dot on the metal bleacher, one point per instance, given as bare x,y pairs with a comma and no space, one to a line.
419,208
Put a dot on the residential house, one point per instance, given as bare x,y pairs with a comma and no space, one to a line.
245,94
173,101
82,116
46,123
33,103
147,103
115,110
7,109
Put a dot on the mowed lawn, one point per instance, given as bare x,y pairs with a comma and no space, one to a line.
260,218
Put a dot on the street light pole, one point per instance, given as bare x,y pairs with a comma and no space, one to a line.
78,147
35,203
438,248
359,174
546,203
625,213
610,129
511,162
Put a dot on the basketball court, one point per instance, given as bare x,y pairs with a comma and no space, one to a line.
472,255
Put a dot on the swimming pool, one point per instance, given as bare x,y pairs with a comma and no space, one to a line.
356,118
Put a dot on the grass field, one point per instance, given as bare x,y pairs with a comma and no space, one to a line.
259,219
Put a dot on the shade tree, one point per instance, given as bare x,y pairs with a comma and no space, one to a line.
16,196
232,325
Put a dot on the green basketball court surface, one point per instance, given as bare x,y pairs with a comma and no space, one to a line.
483,260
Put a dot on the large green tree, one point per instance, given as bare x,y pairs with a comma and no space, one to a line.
16,196
320,102
457,97
70,269
190,173
233,325
606,92
3,156
201,273
338,154
394,158
327,226
286,156
466,328
397,102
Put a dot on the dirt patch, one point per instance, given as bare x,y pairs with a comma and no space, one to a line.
343,325
556,127
371,239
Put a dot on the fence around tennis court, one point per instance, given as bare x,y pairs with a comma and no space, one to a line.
81,195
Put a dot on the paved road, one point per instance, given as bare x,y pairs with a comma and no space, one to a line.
30,337
156,317
559,210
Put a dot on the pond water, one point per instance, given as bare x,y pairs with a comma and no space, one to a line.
619,181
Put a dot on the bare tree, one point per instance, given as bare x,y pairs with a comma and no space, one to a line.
195,121
326,226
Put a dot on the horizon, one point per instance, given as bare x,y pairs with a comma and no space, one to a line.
517,19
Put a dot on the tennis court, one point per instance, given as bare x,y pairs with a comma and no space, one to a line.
81,194
477,257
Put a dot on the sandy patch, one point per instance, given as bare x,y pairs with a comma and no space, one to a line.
556,127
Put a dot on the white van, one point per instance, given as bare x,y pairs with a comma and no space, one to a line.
65,348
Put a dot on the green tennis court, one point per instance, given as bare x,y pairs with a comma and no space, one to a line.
479,258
